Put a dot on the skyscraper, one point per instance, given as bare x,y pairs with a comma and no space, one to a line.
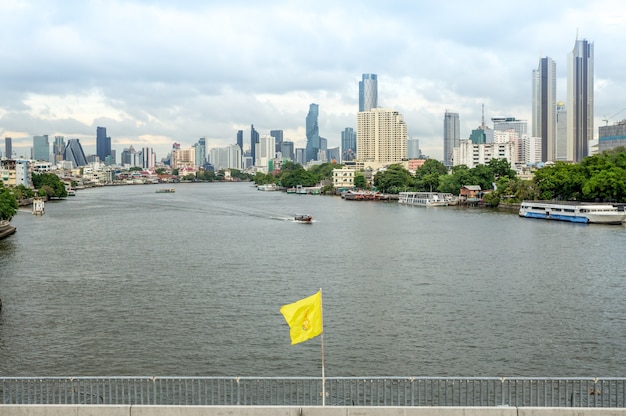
382,136
254,139
58,148
348,144
278,135
74,153
451,136
561,131
240,139
544,107
312,133
8,148
41,148
103,144
368,92
579,100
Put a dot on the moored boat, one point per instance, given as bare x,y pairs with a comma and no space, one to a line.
426,199
166,190
580,212
304,218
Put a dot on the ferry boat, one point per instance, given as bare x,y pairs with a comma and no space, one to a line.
581,212
166,190
268,187
425,199
304,218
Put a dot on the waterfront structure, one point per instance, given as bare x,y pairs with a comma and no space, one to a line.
348,144
74,153
382,136
343,178
561,131
579,100
41,148
451,136
103,144
228,157
613,136
254,139
368,92
287,150
8,148
312,133
544,107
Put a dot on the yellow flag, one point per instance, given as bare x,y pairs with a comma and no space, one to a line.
304,318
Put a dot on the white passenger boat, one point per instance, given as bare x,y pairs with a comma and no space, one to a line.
425,199
573,211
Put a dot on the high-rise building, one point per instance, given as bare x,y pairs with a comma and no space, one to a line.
287,150
413,148
265,153
382,136
278,135
148,158
240,139
58,148
254,139
368,92
127,156
348,144
579,100
228,157
74,153
8,148
451,136
312,133
561,131
544,107
103,144
610,137
200,152
41,148
510,123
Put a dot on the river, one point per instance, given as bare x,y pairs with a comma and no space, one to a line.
126,281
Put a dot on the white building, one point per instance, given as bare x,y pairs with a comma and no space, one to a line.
343,178
228,157
531,150
265,151
472,155
382,137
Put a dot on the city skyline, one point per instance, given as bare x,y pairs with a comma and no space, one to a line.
145,81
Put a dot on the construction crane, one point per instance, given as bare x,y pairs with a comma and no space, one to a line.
606,119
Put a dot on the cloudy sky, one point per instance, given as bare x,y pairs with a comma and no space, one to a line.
158,72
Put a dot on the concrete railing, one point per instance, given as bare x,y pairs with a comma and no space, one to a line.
113,410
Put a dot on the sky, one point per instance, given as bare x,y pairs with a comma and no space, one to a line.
156,72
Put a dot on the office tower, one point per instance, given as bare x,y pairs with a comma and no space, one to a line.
41,148
265,153
240,139
127,156
368,92
451,136
254,139
103,144
333,154
510,123
312,133
287,150
413,149
579,100
300,155
348,144
58,148
148,158
544,107
278,135
561,131
8,148
74,153
382,136
200,152
229,157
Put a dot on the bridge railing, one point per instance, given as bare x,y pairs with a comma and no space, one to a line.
307,391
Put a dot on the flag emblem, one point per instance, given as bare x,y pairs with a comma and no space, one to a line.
304,318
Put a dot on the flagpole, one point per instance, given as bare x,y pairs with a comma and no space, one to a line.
323,377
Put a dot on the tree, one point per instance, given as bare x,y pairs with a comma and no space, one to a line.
54,187
8,203
298,177
394,179
427,176
359,181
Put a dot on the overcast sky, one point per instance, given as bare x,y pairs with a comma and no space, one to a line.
158,72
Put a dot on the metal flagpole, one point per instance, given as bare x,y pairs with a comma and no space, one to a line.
323,377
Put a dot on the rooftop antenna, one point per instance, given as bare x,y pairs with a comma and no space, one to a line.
483,115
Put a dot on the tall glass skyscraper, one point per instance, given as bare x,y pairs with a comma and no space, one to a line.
312,133
103,144
368,92
254,139
8,148
348,144
41,148
74,153
451,136
579,100
544,107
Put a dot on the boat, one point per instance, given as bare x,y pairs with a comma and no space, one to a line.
71,192
166,190
352,195
304,218
426,199
268,187
38,206
580,212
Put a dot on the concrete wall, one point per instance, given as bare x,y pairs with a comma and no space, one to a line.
113,410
